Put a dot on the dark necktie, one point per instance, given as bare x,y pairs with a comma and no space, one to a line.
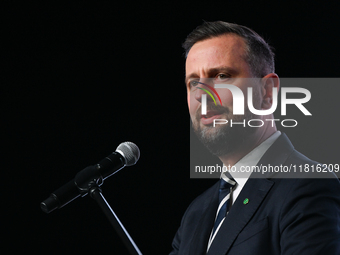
226,185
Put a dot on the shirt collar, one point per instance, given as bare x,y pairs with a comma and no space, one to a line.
252,158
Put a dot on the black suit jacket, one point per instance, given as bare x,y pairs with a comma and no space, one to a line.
283,216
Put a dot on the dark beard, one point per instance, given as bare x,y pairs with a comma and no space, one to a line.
223,139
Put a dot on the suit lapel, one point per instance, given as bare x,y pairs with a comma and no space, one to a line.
240,214
200,238
255,190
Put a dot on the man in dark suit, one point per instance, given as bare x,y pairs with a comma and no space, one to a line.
250,213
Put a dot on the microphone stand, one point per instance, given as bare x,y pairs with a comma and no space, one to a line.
86,182
96,193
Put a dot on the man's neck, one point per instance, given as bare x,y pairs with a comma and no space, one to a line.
247,146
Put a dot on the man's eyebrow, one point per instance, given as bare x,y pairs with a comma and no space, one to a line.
213,71
192,75
226,69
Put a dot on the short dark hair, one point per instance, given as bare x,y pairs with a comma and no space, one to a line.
259,55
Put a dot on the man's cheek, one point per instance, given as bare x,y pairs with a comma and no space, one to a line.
226,97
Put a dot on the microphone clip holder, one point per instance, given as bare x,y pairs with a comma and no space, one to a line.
88,178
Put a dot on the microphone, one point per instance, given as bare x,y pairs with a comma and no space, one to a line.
126,154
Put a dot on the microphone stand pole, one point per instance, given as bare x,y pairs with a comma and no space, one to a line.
96,193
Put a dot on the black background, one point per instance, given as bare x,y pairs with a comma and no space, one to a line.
82,77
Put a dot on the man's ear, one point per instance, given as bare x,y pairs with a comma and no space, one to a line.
269,82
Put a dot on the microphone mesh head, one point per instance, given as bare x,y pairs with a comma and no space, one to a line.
130,152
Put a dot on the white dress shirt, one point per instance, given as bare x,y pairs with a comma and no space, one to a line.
251,159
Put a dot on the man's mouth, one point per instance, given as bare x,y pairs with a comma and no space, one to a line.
207,119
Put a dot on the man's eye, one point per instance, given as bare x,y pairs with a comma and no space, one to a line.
222,77
193,83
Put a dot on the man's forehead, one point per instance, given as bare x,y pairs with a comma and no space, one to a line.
215,53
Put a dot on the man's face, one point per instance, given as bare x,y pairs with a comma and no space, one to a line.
219,60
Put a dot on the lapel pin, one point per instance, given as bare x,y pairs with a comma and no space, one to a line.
246,201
